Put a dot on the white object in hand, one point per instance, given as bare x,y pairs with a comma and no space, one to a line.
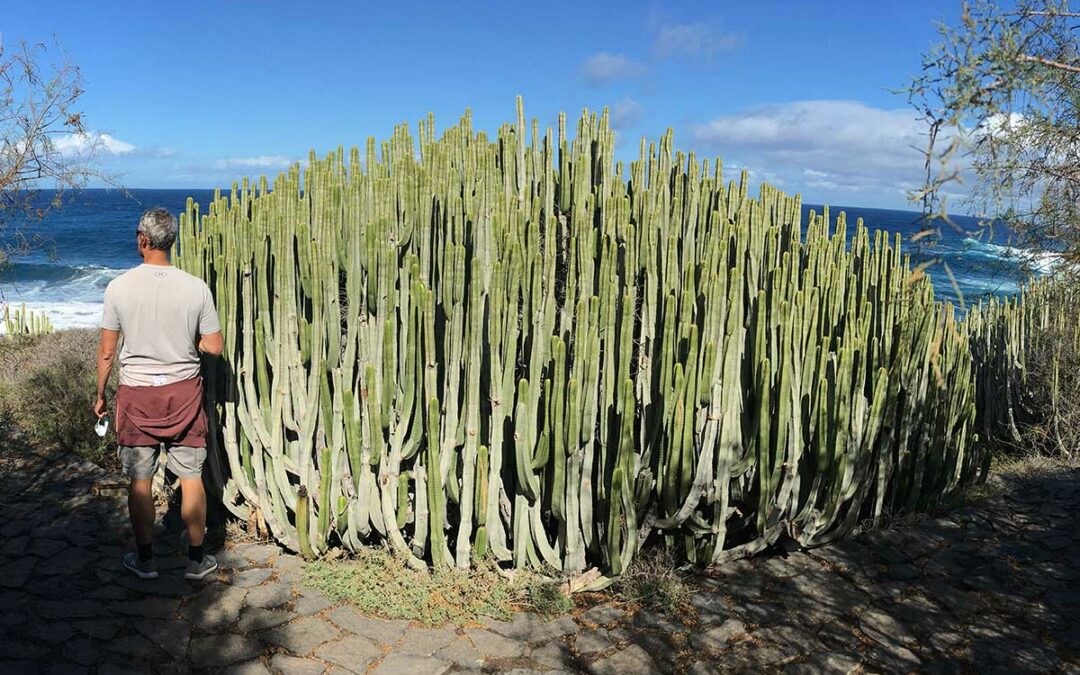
102,426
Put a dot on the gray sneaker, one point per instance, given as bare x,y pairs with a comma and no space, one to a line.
199,570
143,570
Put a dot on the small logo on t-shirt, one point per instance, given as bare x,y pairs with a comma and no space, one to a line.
161,275
159,380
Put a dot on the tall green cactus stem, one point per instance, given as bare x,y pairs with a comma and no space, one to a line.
25,322
302,524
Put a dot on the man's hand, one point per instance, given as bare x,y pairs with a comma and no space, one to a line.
101,408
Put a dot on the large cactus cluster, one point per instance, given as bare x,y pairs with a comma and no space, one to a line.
1038,326
518,347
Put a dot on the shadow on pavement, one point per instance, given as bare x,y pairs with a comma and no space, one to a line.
994,587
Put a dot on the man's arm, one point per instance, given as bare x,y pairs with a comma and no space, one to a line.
105,357
210,341
212,344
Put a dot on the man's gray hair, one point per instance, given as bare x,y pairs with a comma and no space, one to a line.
159,226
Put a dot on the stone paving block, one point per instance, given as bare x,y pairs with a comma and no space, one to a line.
260,554
352,652
73,560
166,584
215,607
493,645
99,629
823,662
532,628
408,664
312,601
108,592
592,642
647,618
462,654
83,651
253,576
62,668
16,574
894,658
270,595
253,619
15,648
12,600
283,664
791,641
554,655
222,649
884,628
748,657
288,562
425,641
632,659
55,632
46,548
254,667
382,631
704,667
9,665
70,609
117,669
172,636
302,636
603,615
136,647
231,560
60,587
718,637
147,608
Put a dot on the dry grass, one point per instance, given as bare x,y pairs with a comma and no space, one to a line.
1032,465
47,391
653,580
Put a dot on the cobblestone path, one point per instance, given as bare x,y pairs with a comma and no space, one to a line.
992,588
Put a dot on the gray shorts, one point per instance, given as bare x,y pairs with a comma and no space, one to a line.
140,462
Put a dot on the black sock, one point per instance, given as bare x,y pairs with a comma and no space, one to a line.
146,552
194,553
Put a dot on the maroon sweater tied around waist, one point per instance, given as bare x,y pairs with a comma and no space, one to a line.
172,413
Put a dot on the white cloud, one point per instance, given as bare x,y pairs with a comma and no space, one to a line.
699,39
260,162
626,113
91,143
603,68
828,145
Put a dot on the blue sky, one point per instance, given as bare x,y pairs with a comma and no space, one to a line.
195,94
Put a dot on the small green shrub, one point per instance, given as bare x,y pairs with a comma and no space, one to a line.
47,391
379,584
546,597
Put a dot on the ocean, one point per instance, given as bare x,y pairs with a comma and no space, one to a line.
75,251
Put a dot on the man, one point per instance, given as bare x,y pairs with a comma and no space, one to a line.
166,317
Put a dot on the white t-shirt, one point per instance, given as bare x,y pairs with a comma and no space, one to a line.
160,310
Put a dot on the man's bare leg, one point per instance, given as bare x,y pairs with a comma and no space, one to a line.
141,510
193,509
